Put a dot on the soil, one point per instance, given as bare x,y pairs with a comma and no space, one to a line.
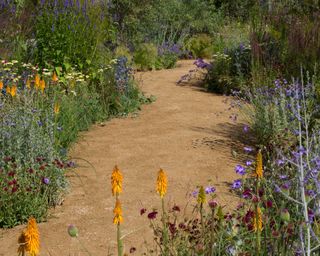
186,131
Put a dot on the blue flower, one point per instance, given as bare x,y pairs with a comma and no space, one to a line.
236,184
248,162
240,169
210,190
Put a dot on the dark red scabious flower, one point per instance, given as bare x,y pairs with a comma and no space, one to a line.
11,174
42,167
247,194
132,249
176,208
182,226
13,182
248,217
261,192
172,228
228,216
39,159
14,189
30,170
269,204
255,199
143,211
5,189
213,204
290,229
7,159
275,233
152,215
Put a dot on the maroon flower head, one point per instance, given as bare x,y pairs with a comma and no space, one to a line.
143,211
152,215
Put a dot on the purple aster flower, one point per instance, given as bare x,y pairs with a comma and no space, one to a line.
236,184
248,162
240,169
277,189
286,185
280,162
311,214
311,193
210,190
46,180
283,177
246,128
195,193
248,149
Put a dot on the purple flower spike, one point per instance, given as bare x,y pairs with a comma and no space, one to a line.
240,169
236,184
210,190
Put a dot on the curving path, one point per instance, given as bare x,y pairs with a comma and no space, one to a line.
186,131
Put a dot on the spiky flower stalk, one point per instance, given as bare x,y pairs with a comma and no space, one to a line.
116,184
161,187
162,183
116,181
29,240
259,166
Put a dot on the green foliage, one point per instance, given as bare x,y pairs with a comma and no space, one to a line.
230,71
145,56
70,35
200,46
166,61
123,51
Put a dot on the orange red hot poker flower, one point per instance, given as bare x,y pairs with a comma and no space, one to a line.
30,239
259,166
162,183
116,181
117,219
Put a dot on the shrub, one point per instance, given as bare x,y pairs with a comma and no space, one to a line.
68,33
145,56
200,46
123,51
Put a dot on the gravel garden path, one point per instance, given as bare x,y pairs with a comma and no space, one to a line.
186,131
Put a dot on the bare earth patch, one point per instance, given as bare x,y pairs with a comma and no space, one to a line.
186,131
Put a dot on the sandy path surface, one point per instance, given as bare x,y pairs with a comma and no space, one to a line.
186,131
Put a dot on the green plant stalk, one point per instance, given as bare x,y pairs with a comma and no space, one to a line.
258,236
212,233
119,241
165,229
202,222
